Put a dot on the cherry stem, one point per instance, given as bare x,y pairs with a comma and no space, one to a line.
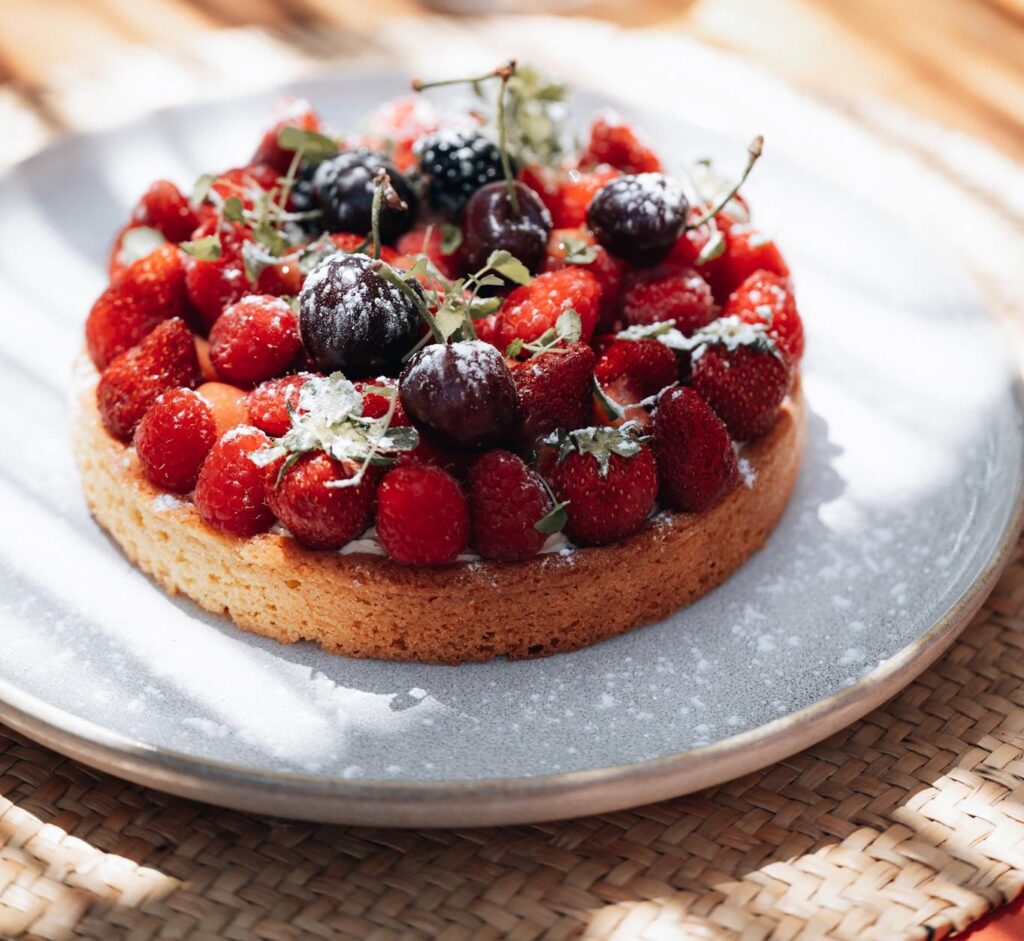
393,277
383,193
753,153
503,72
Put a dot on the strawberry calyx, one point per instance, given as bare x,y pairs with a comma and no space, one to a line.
330,418
602,442
731,333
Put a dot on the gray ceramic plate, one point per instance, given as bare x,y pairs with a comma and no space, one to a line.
906,505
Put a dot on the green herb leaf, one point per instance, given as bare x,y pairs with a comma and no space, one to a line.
514,348
449,320
205,249
712,249
451,238
233,209
553,522
512,268
201,189
313,145
484,307
267,235
577,251
569,326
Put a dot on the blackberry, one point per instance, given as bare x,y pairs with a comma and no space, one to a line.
300,199
455,164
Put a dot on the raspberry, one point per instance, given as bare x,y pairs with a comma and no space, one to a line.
213,285
696,460
531,310
295,112
267,404
506,500
231,494
163,207
254,339
422,516
173,439
165,359
151,290
684,297
318,515
766,297
614,142
646,365
554,391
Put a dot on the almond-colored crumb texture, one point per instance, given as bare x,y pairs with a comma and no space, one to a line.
368,606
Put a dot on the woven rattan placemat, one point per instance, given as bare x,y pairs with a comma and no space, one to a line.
907,825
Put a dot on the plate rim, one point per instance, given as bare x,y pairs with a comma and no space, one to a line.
500,800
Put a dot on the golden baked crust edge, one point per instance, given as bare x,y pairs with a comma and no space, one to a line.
369,606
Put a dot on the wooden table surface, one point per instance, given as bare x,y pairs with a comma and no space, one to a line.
958,62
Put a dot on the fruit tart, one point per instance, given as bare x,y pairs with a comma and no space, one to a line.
440,388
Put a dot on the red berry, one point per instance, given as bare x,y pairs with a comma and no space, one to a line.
554,391
151,290
565,244
646,364
422,516
349,242
534,308
319,515
696,460
743,380
376,405
748,251
684,297
254,339
131,243
766,297
213,285
614,142
165,359
569,202
417,243
247,183
609,494
506,500
163,207
282,280
267,404
174,437
231,493
290,113
397,125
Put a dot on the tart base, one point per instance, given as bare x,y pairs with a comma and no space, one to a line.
362,605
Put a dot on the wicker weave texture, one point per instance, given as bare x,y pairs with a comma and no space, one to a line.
907,825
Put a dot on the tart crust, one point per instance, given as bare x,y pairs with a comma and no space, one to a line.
362,605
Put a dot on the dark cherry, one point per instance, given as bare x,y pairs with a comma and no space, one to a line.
489,223
343,191
639,218
352,319
460,394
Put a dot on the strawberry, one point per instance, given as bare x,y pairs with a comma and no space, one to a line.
283,279
681,295
422,516
376,405
267,404
151,290
532,309
163,207
614,142
255,339
350,242
696,460
554,391
295,112
579,247
742,375
766,297
316,502
166,358
566,192
231,491
506,501
173,439
428,242
645,365
247,183
748,251
606,477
